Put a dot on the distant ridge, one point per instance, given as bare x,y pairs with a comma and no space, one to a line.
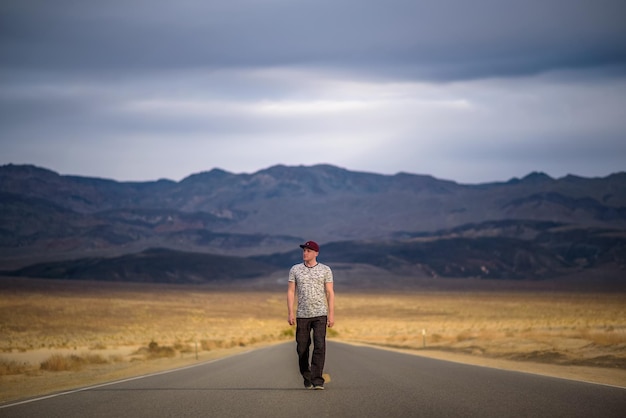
534,228
154,265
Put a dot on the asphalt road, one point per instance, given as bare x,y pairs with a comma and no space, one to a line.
365,382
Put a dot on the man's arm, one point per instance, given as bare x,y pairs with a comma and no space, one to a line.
330,298
291,298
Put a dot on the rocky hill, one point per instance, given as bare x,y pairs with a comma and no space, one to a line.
536,227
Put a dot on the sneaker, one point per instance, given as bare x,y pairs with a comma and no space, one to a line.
308,385
318,387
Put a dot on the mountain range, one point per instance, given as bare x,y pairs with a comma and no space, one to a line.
217,225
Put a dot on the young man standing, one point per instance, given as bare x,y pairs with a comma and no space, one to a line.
313,284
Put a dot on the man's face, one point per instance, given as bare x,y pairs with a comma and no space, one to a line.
308,254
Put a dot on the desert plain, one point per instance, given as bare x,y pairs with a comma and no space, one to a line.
58,335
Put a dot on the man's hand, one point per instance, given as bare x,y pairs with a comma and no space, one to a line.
291,319
330,321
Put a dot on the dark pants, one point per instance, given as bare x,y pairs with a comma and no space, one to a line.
313,372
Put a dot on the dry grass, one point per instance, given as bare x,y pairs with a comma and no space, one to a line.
12,367
72,316
72,362
565,328
80,325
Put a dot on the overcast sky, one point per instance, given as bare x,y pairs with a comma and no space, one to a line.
470,91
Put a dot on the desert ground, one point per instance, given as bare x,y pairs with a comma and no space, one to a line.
58,335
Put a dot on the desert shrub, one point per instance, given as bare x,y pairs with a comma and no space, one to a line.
184,347
464,336
156,351
288,332
59,363
8,367
208,345
72,362
94,359
331,332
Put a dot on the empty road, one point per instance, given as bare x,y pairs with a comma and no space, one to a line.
365,382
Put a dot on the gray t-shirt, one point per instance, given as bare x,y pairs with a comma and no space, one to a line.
310,288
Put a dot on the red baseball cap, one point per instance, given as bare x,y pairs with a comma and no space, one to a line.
311,245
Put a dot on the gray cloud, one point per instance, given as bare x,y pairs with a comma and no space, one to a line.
471,91
434,39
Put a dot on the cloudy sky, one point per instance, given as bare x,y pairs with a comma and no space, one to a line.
471,91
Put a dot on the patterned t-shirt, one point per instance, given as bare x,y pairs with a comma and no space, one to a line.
310,288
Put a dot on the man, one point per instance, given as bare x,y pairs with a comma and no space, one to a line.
313,283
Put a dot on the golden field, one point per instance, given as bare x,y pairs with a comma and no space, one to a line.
55,335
